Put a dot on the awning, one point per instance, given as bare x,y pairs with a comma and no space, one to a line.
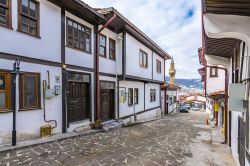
217,95
221,47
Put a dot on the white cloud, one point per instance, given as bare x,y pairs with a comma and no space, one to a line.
175,25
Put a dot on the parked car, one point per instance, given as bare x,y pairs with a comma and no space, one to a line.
185,108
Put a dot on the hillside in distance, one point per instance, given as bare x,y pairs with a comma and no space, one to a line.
188,83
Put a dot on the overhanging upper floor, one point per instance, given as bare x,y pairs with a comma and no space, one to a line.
228,7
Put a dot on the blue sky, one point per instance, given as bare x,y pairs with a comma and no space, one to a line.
175,25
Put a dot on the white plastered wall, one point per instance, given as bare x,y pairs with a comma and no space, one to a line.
77,57
47,47
133,68
107,65
158,76
28,123
124,109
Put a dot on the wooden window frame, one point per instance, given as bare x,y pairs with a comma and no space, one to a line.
112,49
80,33
142,59
211,72
105,47
37,92
37,19
130,96
7,91
136,96
158,66
152,95
8,9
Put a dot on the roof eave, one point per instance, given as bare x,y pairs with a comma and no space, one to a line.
158,49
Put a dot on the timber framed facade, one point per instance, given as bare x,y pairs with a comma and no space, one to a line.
62,63
225,46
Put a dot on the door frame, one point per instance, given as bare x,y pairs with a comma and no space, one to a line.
114,97
89,95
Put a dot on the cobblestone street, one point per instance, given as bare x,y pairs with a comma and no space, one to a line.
170,141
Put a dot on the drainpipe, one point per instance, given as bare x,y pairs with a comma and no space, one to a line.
225,97
165,101
97,88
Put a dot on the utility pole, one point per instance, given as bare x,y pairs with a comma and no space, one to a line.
15,73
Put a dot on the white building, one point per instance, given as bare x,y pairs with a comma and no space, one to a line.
171,99
65,50
213,76
226,43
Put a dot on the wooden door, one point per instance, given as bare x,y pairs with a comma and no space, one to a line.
107,104
78,101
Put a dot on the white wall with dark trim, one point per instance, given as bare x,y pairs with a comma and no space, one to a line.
48,47
133,68
124,108
78,57
158,76
155,103
29,122
107,65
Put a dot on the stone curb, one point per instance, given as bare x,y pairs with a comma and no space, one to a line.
30,143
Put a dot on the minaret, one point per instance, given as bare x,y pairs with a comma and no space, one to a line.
172,72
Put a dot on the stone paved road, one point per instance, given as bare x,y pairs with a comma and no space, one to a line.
162,142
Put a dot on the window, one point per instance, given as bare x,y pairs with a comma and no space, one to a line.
213,72
130,96
112,49
30,91
78,36
143,59
5,82
28,21
136,96
152,95
102,46
158,66
5,13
